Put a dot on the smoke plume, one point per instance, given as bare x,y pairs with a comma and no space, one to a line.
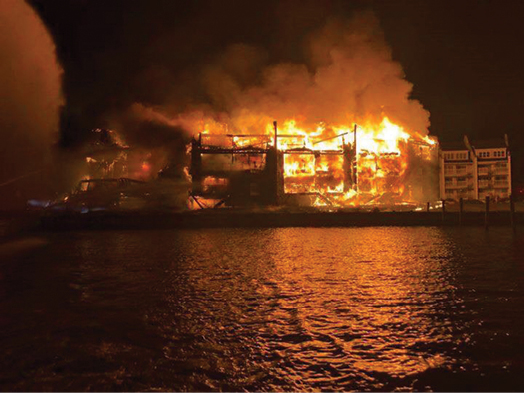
30,99
348,75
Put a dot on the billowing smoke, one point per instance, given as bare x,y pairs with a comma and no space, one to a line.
30,100
348,76
164,138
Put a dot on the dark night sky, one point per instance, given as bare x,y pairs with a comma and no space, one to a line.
464,57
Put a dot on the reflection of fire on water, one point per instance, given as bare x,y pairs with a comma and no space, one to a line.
329,165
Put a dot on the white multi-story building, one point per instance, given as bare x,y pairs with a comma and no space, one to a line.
475,170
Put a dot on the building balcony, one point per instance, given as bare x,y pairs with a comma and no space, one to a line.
458,174
456,185
501,184
483,171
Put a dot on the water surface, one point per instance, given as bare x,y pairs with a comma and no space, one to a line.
268,309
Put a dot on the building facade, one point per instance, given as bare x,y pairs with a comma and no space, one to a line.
475,170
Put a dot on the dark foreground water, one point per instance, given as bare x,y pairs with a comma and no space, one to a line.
269,309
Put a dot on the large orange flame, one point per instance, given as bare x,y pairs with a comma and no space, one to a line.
313,160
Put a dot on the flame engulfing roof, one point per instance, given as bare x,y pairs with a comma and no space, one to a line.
332,165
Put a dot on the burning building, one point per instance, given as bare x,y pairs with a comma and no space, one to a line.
343,166
349,132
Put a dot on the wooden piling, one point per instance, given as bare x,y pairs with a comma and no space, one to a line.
487,210
428,207
512,209
443,210
460,211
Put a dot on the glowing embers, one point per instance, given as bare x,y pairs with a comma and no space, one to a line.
311,172
380,173
210,183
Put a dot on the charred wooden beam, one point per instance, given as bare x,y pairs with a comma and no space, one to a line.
330,138
238,150
314,152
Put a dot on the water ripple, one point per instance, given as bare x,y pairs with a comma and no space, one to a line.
271,310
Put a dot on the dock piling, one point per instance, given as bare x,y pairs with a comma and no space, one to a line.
487,210
460,211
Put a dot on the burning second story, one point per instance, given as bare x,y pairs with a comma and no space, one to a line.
327,166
